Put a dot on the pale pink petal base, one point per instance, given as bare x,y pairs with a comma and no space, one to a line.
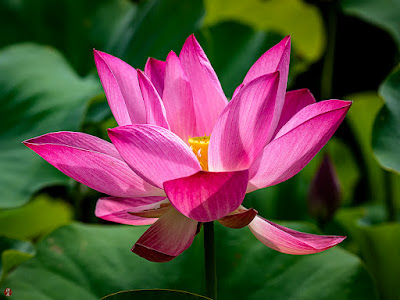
207,196
118,210
172,234
290,241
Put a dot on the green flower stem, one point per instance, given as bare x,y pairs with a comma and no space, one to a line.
209,259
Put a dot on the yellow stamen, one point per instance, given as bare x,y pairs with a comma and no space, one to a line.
199,146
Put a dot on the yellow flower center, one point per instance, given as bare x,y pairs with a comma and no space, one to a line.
199,146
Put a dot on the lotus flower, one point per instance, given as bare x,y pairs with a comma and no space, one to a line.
182,155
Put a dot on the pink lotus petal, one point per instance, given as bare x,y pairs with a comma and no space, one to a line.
312,111
118,210
236,91
178,100
93,162
155,153
208,96
155,70
297,143
244,127
155,110
290,241
172,234
207,196
121,86
294,102
78,140
275,59
239,218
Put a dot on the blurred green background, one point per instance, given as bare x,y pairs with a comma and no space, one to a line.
51,244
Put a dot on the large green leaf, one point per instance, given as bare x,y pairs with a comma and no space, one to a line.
13,252
386,132
383,13
361,118
161,294
379,246
35,219
92,261
74,27
294,17
39,93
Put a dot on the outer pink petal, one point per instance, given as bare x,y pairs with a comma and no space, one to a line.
78,140
275,59
244,127
294,102
207,196
297,143
290,241
172,234
155,153
155,110
117,210
209,99
93,162
178,100
155,70
121,86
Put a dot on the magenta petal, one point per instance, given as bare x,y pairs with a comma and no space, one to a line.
208,96
290,241
207,196
121,86
294,102
245,126
155,153
155,70
178,100
78,140
297,143
155,110
275,59
93,162
117,210
172,234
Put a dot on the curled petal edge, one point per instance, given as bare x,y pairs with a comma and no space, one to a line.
289,241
